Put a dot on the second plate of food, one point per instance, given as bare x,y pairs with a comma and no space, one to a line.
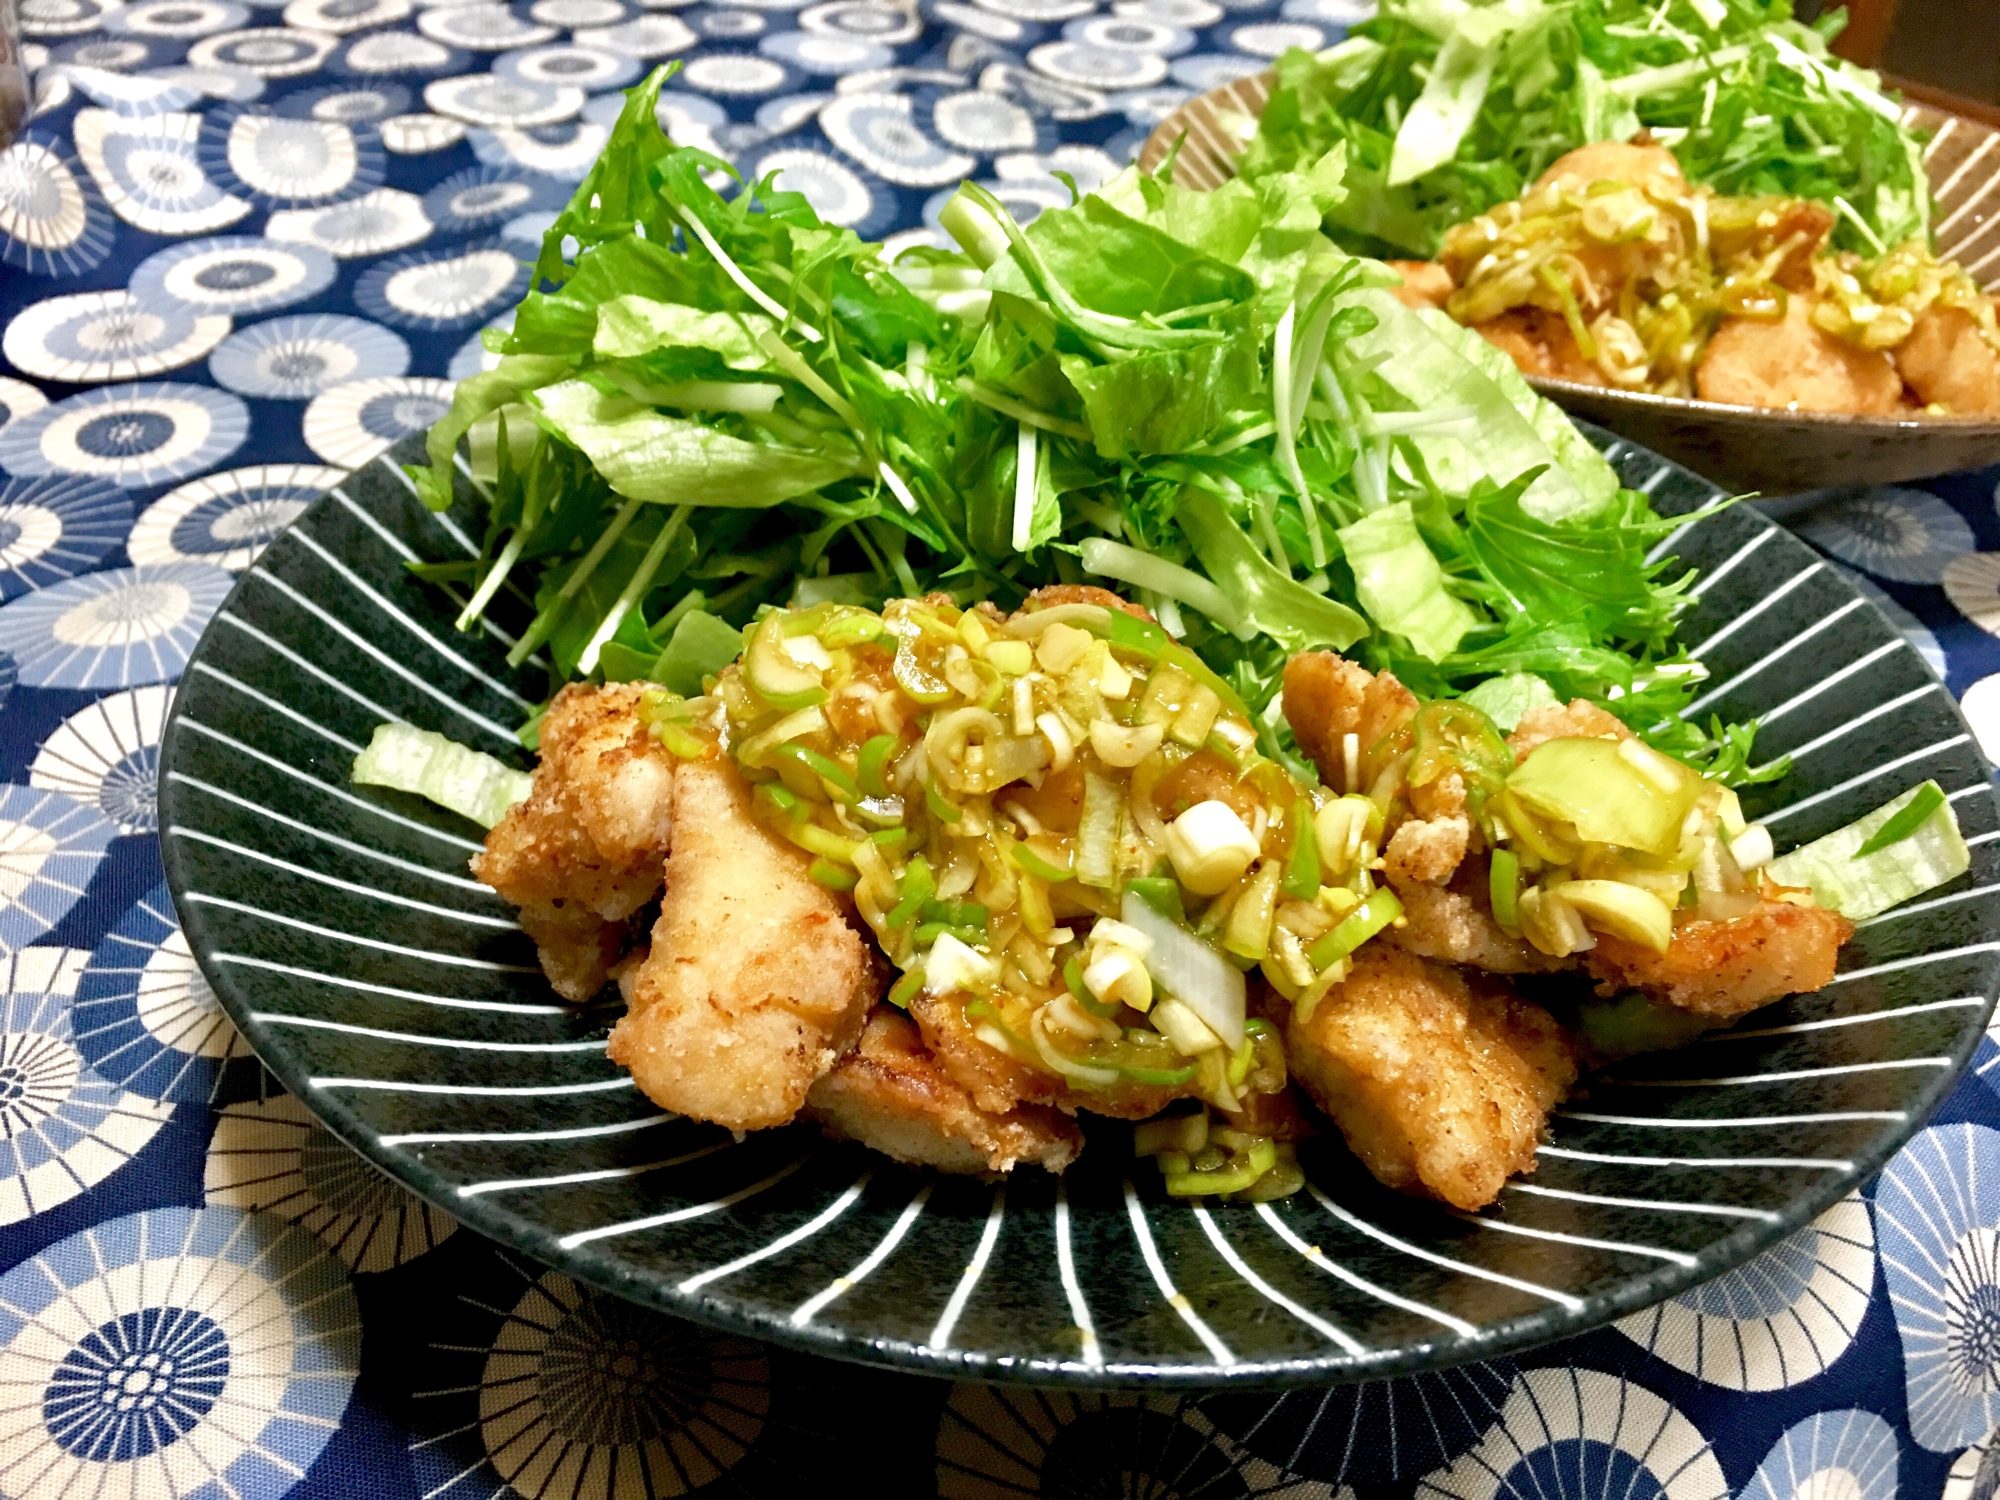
1762,447
391,991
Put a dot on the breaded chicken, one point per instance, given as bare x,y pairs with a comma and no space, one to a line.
1616,161
892,1096
995,1081
1792,366
1328,697
1440,1083
1425,283
1454,923
1948,362
1425,851
1079,593
1540,343
755,983
584,851
1798,224
1578,719
1727,969
998,1082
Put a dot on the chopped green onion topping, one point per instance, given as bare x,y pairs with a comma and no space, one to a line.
1929,798
870,762
1380,909
1504,886
832,876
942,810
1035,865
1302,870
1163,894
839,784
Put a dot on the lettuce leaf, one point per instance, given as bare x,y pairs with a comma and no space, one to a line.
1400,584
647,455
1278,606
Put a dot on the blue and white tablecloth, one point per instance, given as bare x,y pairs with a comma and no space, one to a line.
243,248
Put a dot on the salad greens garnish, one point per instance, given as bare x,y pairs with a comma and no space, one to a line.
1447,108
711,404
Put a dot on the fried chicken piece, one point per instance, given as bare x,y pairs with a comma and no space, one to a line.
998,1082
1328,697
1454,923
1540,343
578,950
1948,362
1440,1082
1425,283
584,850
1799,221
1578,719
1792,366
1616,161
1079,593
892,1096
1426,852
755,983
1727,969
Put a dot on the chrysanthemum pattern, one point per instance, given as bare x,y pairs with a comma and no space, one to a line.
274,1157
993,1443
145,1016
1575,1432
1782,1319
1938,1215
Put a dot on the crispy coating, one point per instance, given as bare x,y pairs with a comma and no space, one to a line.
1079,593
998,1082
755,983
1454,923
1540,343
577,948
995,1081
1726,969
1578,719
1793,366
1425,283
1616,161
1441,1085
1948,362
1328,697
1797,222
585,849
1426,851
892,1096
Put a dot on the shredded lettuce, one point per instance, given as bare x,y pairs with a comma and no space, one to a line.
407,759
1860,885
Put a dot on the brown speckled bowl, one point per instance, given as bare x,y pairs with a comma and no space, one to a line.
1739,447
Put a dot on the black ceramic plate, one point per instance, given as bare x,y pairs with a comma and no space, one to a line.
397,998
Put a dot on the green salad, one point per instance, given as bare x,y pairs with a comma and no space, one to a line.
1447,108
714,403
